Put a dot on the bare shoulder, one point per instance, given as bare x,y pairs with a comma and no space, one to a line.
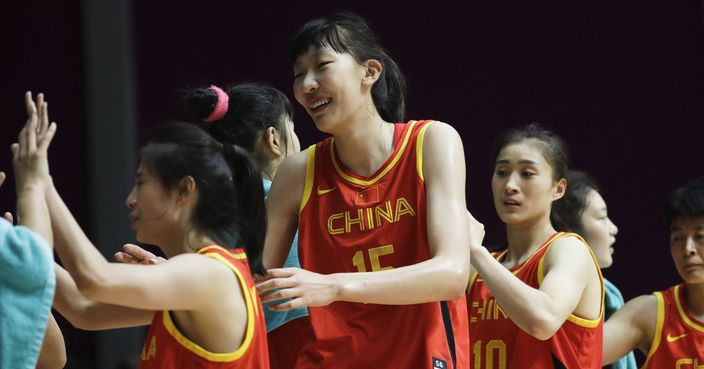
442,131
568,248
287,187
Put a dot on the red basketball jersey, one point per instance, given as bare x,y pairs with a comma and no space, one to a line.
349,223
167,347
679,338
499,343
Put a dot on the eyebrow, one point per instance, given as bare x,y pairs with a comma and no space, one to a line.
523,161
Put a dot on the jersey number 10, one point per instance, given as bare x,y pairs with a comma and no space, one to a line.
493,347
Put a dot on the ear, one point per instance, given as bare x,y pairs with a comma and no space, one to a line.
372,71
271,142
560,189
185,189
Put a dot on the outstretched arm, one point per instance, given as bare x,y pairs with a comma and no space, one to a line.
443,277
631,327
87,314
31,167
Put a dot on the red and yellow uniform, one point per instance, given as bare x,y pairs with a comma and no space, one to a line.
678,342
167,347
350,223
497,342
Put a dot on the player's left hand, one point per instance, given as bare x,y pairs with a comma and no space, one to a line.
303,287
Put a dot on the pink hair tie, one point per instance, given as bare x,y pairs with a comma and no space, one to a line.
220,106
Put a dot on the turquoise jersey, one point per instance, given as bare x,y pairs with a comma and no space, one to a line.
275,319
613,300
27,283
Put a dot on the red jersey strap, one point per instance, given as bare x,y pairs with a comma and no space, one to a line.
231,258
660,322
589,323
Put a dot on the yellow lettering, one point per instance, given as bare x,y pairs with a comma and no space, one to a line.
358,261
349,221
370,218
386,214
685,364
377,252
331,226
151,351
403,208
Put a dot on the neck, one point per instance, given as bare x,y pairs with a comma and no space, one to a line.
373,138
694,299
184,243
523,240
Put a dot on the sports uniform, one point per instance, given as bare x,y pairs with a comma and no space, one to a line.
679,338
349,223
497,342
167,347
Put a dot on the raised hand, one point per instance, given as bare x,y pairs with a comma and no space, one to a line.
29,155
133,254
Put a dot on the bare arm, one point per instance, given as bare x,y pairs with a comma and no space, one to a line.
29,159
282,207
53,351
87,314
569,268
631,327
443,277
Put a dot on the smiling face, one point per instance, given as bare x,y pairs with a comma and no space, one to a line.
687,248
329,85
150,207
523,184
599,231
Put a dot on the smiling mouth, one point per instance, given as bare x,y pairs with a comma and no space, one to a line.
319,104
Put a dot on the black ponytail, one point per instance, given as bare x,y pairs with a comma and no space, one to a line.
252,108
348,33
230,206
251,220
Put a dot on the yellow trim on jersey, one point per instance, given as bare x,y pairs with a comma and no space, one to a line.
310,175
683,314
388,167
582,322
419,150
200,351
238,255
657,337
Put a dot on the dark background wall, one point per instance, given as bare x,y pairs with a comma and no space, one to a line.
621,81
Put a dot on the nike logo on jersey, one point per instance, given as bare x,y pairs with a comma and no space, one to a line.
324,191
671,338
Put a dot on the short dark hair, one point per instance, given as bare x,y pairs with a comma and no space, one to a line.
686,202
348,33
230,206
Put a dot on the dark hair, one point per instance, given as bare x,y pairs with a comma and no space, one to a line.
230,206
348,33
566,214
686,202
252,108
553,148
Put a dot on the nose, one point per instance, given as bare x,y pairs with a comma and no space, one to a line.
310,83
614,229
511,185
131,200
690,246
